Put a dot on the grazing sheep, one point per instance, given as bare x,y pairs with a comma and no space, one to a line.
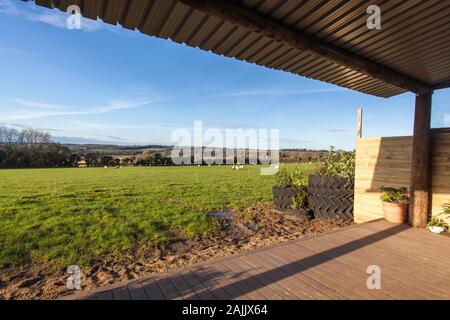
106,167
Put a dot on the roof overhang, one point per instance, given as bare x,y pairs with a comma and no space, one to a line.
323,40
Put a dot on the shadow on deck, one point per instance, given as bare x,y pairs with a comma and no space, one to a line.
413,263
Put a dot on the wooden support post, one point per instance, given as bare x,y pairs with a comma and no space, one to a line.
359,129
420,166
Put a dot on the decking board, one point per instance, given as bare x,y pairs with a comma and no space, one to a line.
414,265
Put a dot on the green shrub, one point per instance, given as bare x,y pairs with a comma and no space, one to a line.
299,201
294,179
446,212
337,164
394,195
283,179
299,179
287,179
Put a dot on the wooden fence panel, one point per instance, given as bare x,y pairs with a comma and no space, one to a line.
387,162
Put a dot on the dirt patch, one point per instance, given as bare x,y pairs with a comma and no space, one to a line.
257,227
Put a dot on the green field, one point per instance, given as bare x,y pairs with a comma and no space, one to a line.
59,217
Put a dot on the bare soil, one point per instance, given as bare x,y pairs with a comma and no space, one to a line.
257,227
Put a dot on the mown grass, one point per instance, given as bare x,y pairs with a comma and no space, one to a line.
59,217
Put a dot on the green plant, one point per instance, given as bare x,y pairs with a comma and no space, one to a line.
298,177
337,164
437,222
291,178
394,195
295,178
283,179
446,212
299,201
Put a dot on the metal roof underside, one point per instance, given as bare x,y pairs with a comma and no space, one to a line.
414,39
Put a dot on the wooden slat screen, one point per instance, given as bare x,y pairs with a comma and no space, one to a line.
386,162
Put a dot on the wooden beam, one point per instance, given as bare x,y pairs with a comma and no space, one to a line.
249,19
360,119
420,166
440,130
442,85
45,3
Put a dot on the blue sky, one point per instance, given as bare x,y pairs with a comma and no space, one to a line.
105,83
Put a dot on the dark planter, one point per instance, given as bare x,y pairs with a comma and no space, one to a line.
282,198
331,197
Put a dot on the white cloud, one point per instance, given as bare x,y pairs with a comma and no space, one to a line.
117,126
447,120
51,111
39,105
8,7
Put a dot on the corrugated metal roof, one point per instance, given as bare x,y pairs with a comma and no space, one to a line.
414,38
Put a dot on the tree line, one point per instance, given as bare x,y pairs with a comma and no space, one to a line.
30,148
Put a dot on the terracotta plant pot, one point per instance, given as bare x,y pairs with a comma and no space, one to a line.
395,212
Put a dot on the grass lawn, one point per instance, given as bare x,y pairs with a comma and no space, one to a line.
59,217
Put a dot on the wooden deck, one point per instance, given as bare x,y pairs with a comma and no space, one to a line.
414,263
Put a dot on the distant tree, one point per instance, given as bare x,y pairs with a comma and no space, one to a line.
107,161
91,160
126,161
30,148
31,136
10,136
157,160
74,158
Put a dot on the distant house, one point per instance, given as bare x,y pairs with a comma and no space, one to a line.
82,163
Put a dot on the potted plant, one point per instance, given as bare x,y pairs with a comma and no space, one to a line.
290,193
438,225
395,204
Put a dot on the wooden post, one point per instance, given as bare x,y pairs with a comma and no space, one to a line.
420,166
359,129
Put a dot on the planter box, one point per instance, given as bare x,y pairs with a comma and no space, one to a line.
282,198
331,197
